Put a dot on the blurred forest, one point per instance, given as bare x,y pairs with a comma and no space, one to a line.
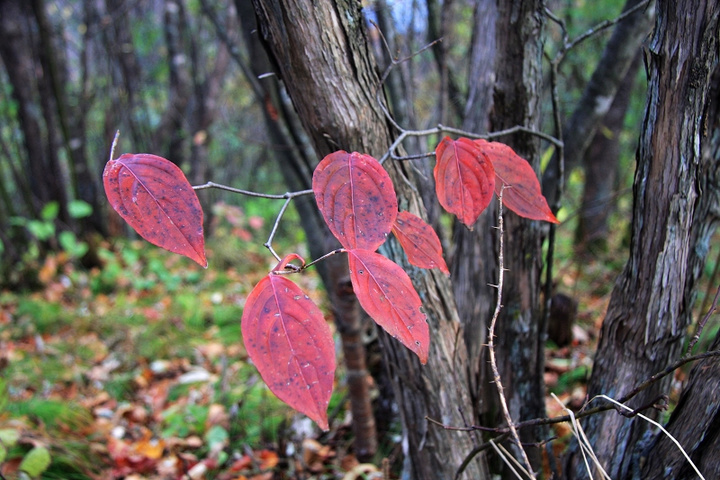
118,360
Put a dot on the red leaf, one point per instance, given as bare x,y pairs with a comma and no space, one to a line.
525,195
420,242
357,199
291,345
153,196
386,293
464,179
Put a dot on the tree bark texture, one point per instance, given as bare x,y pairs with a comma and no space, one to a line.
520,331
695,421
297,161
324,59
645,322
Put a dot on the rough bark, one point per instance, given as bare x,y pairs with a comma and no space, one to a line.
695,421
520,331
470,278
322,53
644,325
296,161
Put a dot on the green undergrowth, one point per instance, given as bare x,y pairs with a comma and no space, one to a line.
142,358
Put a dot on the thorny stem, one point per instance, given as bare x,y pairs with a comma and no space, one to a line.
491,342
504,432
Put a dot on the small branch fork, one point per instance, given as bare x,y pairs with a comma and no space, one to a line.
440,129
288,197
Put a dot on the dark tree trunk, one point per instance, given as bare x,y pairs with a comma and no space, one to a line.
29,72
598,94
520,331
297,161
335,96
645,322
695,422
601,162
475,300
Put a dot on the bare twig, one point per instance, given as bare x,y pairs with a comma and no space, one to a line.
606,24
440,129
702,322
504,432
568,45
656,424
268,243
491,341
287,196
394,60
329,254
114,144
249,193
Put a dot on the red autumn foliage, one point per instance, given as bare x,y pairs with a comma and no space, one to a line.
153,196
284,332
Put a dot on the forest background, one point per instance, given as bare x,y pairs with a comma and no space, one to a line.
118,359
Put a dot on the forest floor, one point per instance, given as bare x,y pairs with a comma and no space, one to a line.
137,370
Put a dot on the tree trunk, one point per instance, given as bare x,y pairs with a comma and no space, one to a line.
695,422
470,279
322,53
296,161
520,331
645,325
601,162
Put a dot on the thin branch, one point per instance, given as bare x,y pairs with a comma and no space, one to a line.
395,60
656,424
287,196
268,243
455,131
605,25
702,322
249,193
114,144
475,451
491,341
330,254
505,431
